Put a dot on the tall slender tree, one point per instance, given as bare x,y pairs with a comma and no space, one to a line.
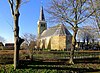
73,12
15,5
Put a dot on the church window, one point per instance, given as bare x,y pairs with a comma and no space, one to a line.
42,25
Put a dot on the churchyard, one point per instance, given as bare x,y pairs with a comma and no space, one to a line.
71,45
44,61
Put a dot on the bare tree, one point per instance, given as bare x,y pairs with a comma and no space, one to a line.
73,12
2,39
88,34
95,5
24,46
28,37
30,40
15,5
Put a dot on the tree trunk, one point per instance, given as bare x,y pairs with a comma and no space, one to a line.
16,40
73,47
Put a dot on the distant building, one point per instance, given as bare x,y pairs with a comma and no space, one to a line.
9,46
1,46
54,38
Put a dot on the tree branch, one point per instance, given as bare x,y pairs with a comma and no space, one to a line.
24,2
18,2
85,18
11,6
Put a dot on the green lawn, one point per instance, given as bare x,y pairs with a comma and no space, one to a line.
77,68
51,62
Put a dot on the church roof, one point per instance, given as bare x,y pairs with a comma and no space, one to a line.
59,29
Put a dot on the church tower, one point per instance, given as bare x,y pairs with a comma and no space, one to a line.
42,25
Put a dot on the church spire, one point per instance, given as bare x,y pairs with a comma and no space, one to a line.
42,25
42,18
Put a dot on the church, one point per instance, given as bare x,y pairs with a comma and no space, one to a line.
53,38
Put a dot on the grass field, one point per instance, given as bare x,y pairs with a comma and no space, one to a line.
50,62
76,68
